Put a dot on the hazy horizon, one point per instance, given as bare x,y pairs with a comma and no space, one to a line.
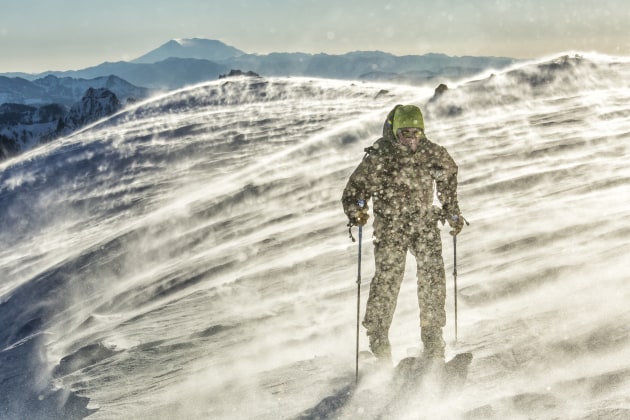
38,36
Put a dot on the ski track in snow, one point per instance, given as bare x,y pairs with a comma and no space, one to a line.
188,257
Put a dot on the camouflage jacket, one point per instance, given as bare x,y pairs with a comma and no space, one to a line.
401,183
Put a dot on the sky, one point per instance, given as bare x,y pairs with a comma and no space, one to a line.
40,35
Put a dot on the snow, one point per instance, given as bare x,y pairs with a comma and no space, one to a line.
188,257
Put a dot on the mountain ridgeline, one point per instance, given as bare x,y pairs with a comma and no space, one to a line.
179,63
39,108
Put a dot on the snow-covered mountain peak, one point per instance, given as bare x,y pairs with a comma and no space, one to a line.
198,48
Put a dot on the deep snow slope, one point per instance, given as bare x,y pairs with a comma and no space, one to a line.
188,257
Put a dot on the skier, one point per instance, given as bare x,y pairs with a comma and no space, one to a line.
400,173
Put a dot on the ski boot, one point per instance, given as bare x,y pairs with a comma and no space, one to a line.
434,345
380,347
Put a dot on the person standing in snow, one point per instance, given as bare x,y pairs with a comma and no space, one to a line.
401,173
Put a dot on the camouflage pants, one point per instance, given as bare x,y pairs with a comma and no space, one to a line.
391,244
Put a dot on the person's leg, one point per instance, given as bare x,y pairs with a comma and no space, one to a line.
427,248
390,258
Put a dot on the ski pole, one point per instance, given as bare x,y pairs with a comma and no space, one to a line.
358,303
455,280
455,274
361,204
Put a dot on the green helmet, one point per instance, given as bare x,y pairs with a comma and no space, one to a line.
407,116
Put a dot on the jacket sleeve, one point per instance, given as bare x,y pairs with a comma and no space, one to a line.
446,183
358,187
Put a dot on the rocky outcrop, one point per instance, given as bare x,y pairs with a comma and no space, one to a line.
439,91
235,73
439,103
8,147
23,127
95,105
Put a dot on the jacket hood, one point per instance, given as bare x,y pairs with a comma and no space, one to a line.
388,130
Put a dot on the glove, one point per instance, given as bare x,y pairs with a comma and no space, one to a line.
361,217
456,222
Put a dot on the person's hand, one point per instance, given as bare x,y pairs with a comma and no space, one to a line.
361,217
456,222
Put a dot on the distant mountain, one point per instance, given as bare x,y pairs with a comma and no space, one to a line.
23,127
274,64
367,65
18,90
64,90
171,73
203,49
360,64
183,62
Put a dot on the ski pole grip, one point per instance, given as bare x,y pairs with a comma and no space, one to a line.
361,204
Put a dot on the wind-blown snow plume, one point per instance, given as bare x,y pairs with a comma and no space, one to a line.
188,257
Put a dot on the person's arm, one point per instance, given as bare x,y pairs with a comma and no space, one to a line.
358,188
446,186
